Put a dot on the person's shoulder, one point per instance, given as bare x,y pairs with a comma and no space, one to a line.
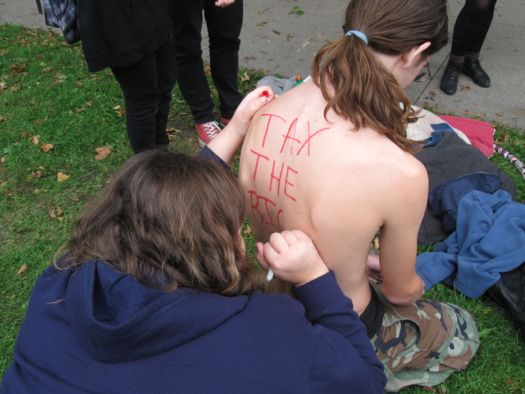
276,302
410,167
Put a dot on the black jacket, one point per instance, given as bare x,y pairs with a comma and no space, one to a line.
118,33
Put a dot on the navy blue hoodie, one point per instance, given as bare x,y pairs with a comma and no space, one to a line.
97,330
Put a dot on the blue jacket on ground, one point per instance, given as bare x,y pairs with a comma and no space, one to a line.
94,329
489,239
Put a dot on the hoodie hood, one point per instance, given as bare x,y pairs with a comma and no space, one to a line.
118,319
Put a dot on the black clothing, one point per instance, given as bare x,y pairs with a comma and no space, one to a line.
224,27
471,27
372,316
147,87
134,38
118,33
449,159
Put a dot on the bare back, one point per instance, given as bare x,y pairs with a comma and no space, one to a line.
301,171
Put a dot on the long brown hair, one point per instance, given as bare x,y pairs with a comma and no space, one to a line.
364,91
170,220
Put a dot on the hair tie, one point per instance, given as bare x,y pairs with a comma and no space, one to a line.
359,34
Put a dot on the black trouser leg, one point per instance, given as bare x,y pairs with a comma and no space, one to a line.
471,27
485,21
147,87
167,76
224,28
187,24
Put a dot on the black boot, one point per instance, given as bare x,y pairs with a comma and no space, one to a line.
473,69
449,80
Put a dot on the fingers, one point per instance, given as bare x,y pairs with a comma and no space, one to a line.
290,237
278,242
264,92
253,101
373,262
260,254
223,3
271,255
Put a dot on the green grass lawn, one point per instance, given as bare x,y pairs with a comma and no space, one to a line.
53,117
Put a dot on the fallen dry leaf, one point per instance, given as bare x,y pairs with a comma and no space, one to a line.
46,148
56,213
1,118
102,152
59,77
3,159
37,174
35,139
61,177
120,111
248,231
245,77
3,86
173,130
22,270
18,68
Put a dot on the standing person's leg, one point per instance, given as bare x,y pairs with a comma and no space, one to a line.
187,25
469,23
224,28
471,66
485,11
461,38
167,75
139,84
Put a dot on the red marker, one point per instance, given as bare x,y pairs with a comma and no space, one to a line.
265,93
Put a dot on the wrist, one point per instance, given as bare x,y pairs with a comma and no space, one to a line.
316,274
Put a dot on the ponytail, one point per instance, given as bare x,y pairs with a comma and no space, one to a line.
356,84
358,87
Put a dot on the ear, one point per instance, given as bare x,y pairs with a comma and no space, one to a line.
412,57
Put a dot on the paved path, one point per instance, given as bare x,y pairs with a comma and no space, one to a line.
278,40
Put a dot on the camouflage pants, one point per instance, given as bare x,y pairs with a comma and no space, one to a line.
423,343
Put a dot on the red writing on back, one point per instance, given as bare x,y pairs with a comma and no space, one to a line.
265,209
279,174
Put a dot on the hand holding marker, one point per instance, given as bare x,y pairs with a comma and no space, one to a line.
293,256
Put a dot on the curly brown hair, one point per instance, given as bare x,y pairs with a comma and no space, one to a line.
365,92
170,220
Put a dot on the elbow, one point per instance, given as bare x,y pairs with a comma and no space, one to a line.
401,299
405,295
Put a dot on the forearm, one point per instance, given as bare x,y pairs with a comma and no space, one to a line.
403,292
226,143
